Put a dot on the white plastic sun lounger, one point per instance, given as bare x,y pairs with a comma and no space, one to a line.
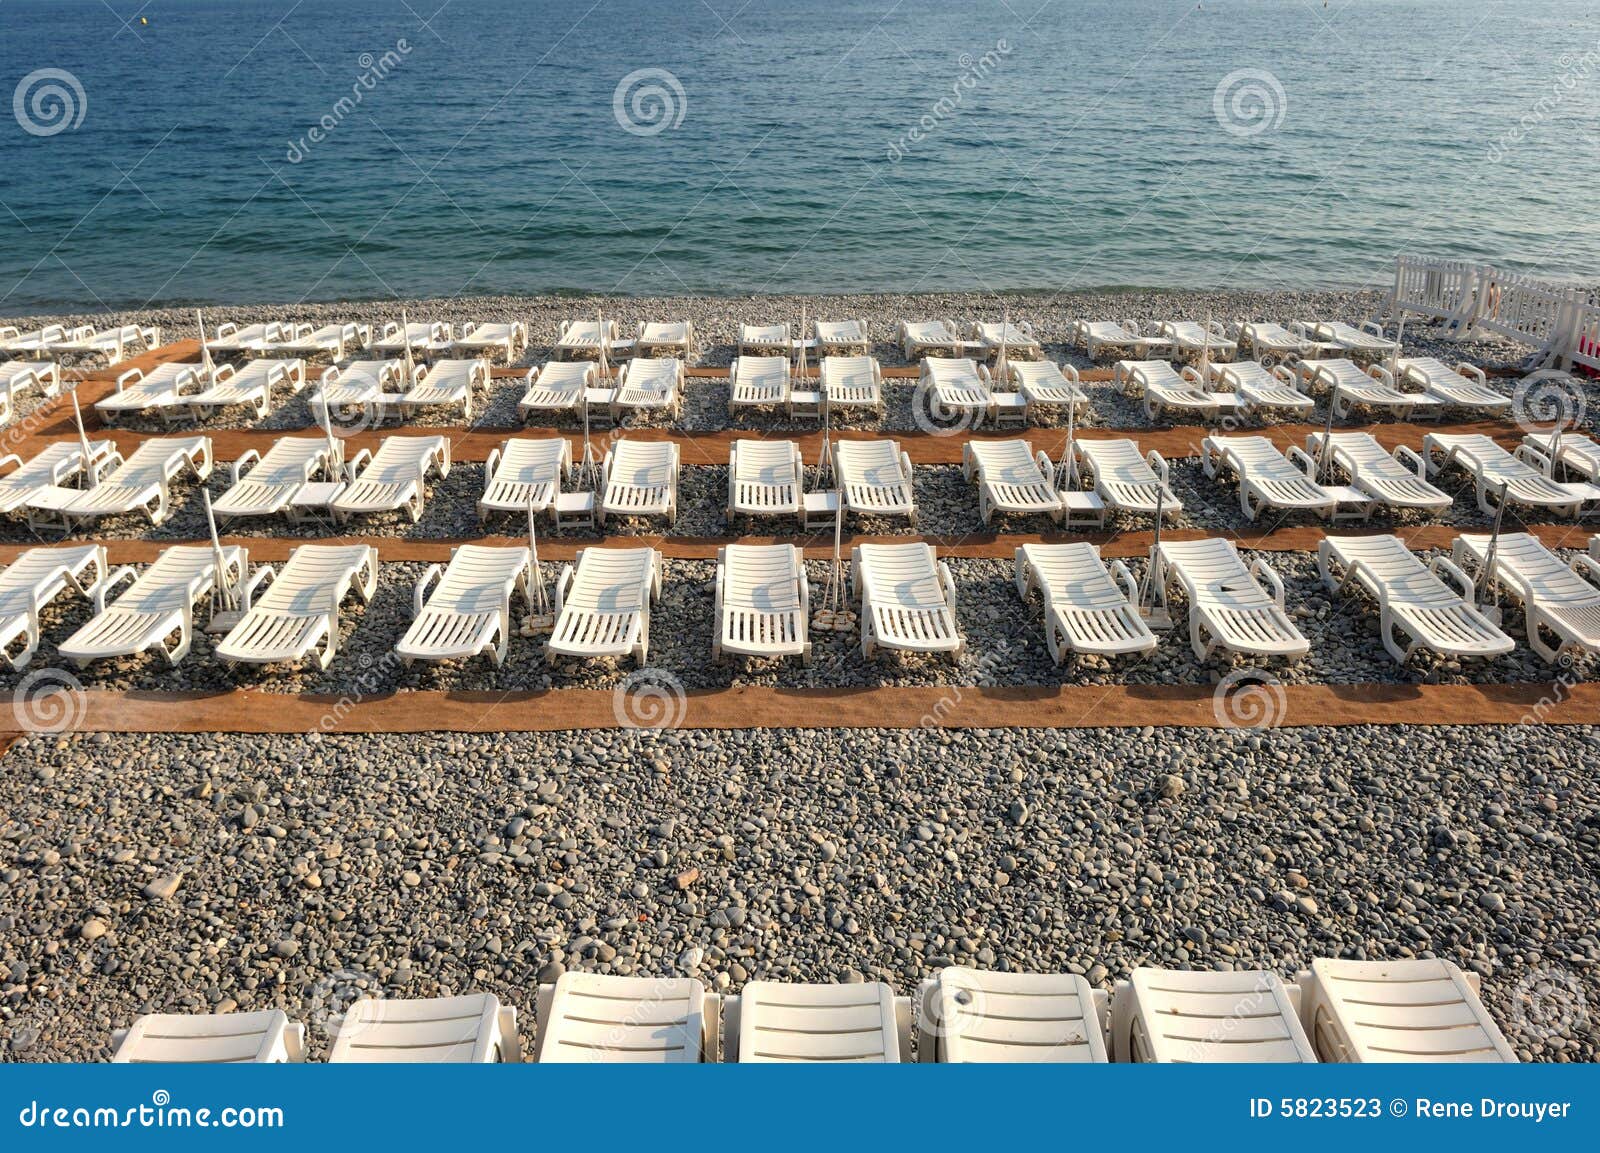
1011,479
638,479
32,581
776,1021
470,612
335,341
1366,341
1163,387
1560,602
267,488
503,338
973,1015
228,339
165,389
1575,454
300,609
159,603
1205,1016
1463,386
250,386
1044,383
1523,473
597,1017
851,382
35,342
394,478
672,336
1097,335
443,384
874,478
1126,479
765,340
957,388
919,337
758,382
765,478
843,338
115,344
359,385
1262,389
141,483
53,467
1231,607
648,383
1018,339
1270,343
1421,1009
585,338
19,377
474,1029
1399,480
1269,479
1353,386
267,1037
1190,338
908,600
763,603
1084,609
555,387
603,604
424,337
1417,609
523,475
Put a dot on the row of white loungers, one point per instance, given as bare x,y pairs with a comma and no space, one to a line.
1191,340
1422,1010
586,338
175,391
57,342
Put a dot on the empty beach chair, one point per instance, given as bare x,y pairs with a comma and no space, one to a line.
917,338
470,612
496,338
956,389
1560,601
32,343
141,483
1419,1009
250,386
874,478
229,339
763,603
32,581
1095,336
1164,387
1523,474
598,1017
1201,1015
1463,386
164,390
1231,607
524,475
639,478
758,382
1398,479
848,382
265,485
765,478
1191,339
649,383
1366,341
1352,386
1417,608
1084,609
1018,339
114,344
157,610
357,387
908,600
267,1037
585,338
765,340
442,384
1125,479
670,336
20,377
1270,343
424,338
1574,455
334,341
778,1021
555,387
394,478
58,465
1261,389
973,1015
603,604
297,618
1269,479
1011,479
1043,383
843,338
474,1029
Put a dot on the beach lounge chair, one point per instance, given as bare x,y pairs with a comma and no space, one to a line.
1043,383
1399,480
765,478
1232,607
1191,339
1011,479
165,390
908,600
141,483
778,1021
1560,601
394,478
1163,387
1269,479
299,612
474,1029
599,1017
157,610
1018,339
1463,387
19,377
31,582
268,488
1575,454
639,478
250,386
1271,344
919,337
956,389
1098,335
54,466
585,338
357,387
843,338
114,344
1244,1016
1084,609
758,382
763,603
524,475
671,336
603,604
425,338
1352,387
33,343
334,341
228,339
848,382
1367,341
1417,608
442,384
496,338
470,612
267,1037
765,340
1525,474
1416,1009
555,387
1261,389
974,1015
874,477
1125,479
647,384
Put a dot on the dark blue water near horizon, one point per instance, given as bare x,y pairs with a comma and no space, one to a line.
231,151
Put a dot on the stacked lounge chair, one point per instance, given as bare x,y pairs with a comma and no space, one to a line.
141,483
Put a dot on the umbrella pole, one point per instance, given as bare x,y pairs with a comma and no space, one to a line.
225,594
540,619
91,475
1154,612
1488,590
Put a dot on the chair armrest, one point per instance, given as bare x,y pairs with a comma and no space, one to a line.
226,328
488,467
1472,372
1373,327
1262,571
1404,454
238,467
1297,455
12,459
1587,567
357,463
419,592
115,577
1158,465
905,465
1382,375
1124,577
949,583
1048,467
1529,455
1449,571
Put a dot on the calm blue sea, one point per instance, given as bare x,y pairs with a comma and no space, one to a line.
782,145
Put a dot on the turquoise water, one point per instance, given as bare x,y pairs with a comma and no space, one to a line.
817,145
